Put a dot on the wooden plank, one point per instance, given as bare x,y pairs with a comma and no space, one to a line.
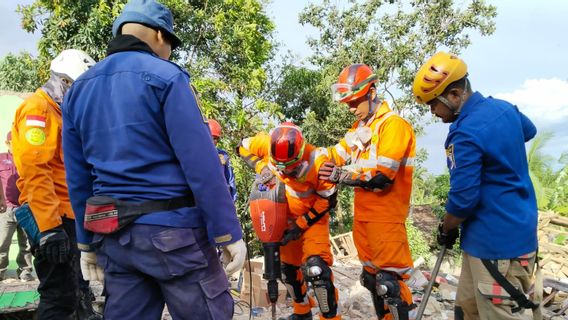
560,221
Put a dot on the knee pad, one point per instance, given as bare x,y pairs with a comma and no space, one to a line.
389,289
293,285
387,284
318,273
369,281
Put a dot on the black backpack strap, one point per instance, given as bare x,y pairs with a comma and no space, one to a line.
515,294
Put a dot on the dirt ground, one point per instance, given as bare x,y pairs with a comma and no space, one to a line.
425,220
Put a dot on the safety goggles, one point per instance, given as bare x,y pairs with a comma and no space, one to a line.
340,91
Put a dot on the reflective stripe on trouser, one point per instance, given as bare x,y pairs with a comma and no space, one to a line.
313,242
481,297
147,266
384,246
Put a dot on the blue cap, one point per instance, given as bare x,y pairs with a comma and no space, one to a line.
150,13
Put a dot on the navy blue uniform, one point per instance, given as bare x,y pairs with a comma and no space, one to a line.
229,174
132,130
489,178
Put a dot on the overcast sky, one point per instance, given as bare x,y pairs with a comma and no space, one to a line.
524,61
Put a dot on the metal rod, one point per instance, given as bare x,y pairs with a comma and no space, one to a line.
433,276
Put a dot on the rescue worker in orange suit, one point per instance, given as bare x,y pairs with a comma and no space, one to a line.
376,158
306,250
46,214
216,132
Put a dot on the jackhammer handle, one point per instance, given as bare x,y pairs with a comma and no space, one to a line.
433,276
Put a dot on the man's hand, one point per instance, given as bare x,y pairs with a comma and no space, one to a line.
89,267
329,171
266,176
292,233
326,171
447,238
234,256
54,245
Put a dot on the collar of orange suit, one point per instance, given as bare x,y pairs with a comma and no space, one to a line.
383,109
46,96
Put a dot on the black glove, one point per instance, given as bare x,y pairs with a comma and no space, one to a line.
266,176
292,233
54,245
447,238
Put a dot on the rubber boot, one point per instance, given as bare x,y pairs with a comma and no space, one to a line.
85,310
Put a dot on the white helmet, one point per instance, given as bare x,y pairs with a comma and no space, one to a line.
71,63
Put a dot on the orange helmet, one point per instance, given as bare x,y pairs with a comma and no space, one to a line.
354,82
286,146
215,128
436,74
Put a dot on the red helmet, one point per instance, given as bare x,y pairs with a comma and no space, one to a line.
215,128
286,146
354,82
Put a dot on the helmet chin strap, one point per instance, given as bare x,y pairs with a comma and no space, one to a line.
456,109
372,106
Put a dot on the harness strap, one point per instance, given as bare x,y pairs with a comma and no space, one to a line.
515,294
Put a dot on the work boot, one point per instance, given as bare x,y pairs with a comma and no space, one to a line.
85,310
25,275
295,316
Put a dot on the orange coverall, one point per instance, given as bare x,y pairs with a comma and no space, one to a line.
36,143
302,193
383,144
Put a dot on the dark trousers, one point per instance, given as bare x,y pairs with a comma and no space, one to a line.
58,282
147,267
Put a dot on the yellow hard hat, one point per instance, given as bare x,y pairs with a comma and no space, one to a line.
436,74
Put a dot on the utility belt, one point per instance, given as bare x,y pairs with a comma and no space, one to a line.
106,215
516,295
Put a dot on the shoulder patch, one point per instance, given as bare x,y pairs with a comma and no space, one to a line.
451,157
35,136
35,121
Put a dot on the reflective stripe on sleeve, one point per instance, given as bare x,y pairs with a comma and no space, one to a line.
246,143
341,152
326,193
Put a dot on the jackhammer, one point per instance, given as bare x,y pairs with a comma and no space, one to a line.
269,211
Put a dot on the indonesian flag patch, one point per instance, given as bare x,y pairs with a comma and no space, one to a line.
35,121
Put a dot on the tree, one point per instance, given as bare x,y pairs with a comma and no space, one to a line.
226,46
540,169
393,37
551,186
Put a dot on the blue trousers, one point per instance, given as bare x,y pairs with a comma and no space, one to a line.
147,267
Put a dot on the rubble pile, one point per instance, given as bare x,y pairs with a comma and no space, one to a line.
553,248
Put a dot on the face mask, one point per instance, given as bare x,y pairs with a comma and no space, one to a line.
56,87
